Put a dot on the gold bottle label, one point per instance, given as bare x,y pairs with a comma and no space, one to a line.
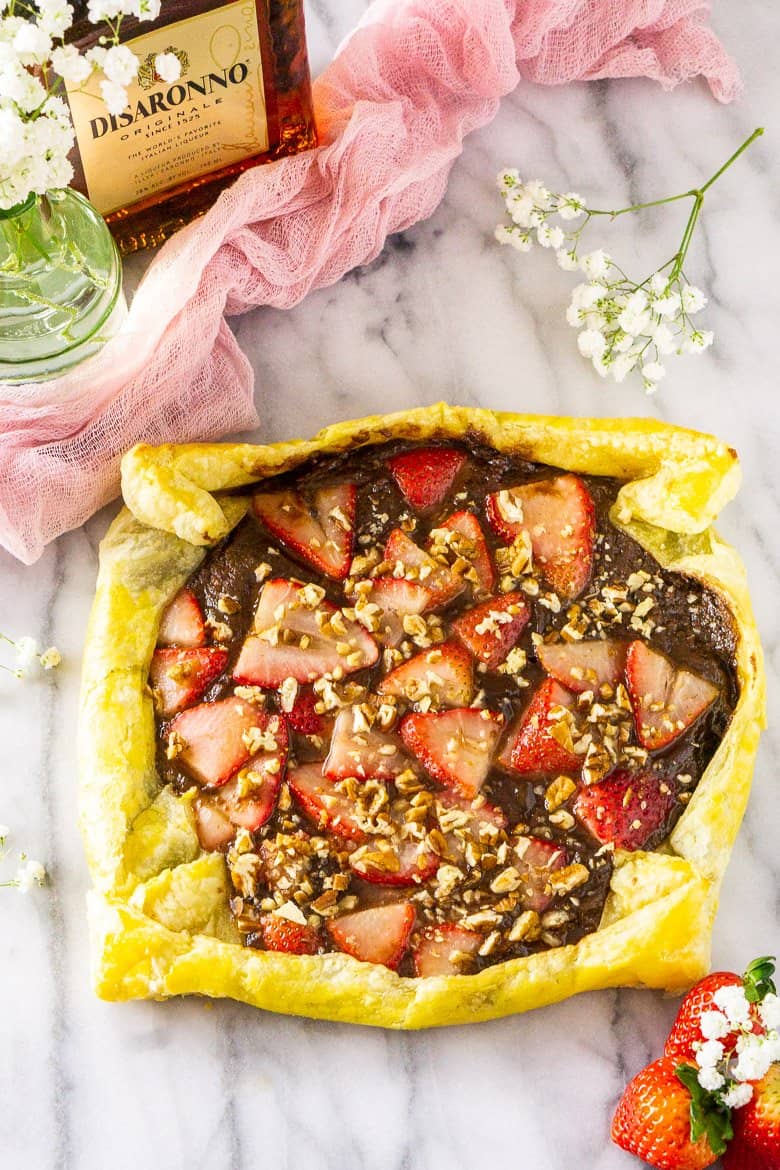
169,133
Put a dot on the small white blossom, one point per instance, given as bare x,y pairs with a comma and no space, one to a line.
663,339
549,237
26,651
770,1011
653,371
753,1061
591,343
698,341
120,65
51,658
668,305
571,205
32,44
595,264
733,1002
692,299
567,260
30,873
507,179
515,237
711,1080
71,65
709,1053
114,95
737,1096
168,66
714,1025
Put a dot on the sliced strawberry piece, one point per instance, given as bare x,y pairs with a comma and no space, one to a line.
493,627
367,754
293,938
377,935
395,599
440,950
304,717
289,641
426,474
252,810
409,560
322,534
442,676
540,739
182,622
219,738
627,808
474,547
214,829
559,517
455,747
411,865
535,860
666,699
321,800
180,677
584,666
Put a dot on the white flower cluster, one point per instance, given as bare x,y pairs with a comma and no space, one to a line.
28,874
36,132
729,1071
28,654
624,327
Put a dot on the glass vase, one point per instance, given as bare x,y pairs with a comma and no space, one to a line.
60,286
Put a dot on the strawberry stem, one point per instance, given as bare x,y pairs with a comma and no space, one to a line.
758,981
709,1116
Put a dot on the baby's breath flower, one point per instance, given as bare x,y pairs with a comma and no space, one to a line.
624,326
168,67
50,658
30,873
26,651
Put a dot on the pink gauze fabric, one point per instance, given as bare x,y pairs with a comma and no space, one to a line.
393,108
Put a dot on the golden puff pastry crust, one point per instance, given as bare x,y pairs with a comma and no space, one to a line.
158,916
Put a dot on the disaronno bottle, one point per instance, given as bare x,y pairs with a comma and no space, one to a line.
243,98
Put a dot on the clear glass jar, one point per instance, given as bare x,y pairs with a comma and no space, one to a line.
60,286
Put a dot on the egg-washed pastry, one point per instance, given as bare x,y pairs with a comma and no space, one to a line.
433,718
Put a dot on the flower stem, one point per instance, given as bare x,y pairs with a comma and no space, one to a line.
696,193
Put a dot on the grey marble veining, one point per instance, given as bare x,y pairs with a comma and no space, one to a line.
442,313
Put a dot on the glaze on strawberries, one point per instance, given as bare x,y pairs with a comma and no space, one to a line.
420,696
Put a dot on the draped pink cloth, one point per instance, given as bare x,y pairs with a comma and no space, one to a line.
393,109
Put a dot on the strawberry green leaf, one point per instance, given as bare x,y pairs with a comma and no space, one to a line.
758,979
709,1116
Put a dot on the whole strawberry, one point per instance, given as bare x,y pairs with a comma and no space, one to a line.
756,1141
653,1121
686,1030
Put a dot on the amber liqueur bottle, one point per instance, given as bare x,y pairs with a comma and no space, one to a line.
243,98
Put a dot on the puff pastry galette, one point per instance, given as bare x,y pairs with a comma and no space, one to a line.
436,717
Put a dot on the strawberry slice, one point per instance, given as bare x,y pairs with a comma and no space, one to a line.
377,935
666,699
426,474
584,666
441,677
410,561
304,717
535,860
627,808
219,738
411,865
321,534
366,753
214,829
323,803
474,547
182,622
540,738
493,627
180,677
559,517
293,938
395,598
455,747
444,950
296,635
250,811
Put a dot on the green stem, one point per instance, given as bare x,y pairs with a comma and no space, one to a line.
695,193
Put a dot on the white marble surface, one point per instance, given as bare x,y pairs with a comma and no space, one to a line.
443,313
